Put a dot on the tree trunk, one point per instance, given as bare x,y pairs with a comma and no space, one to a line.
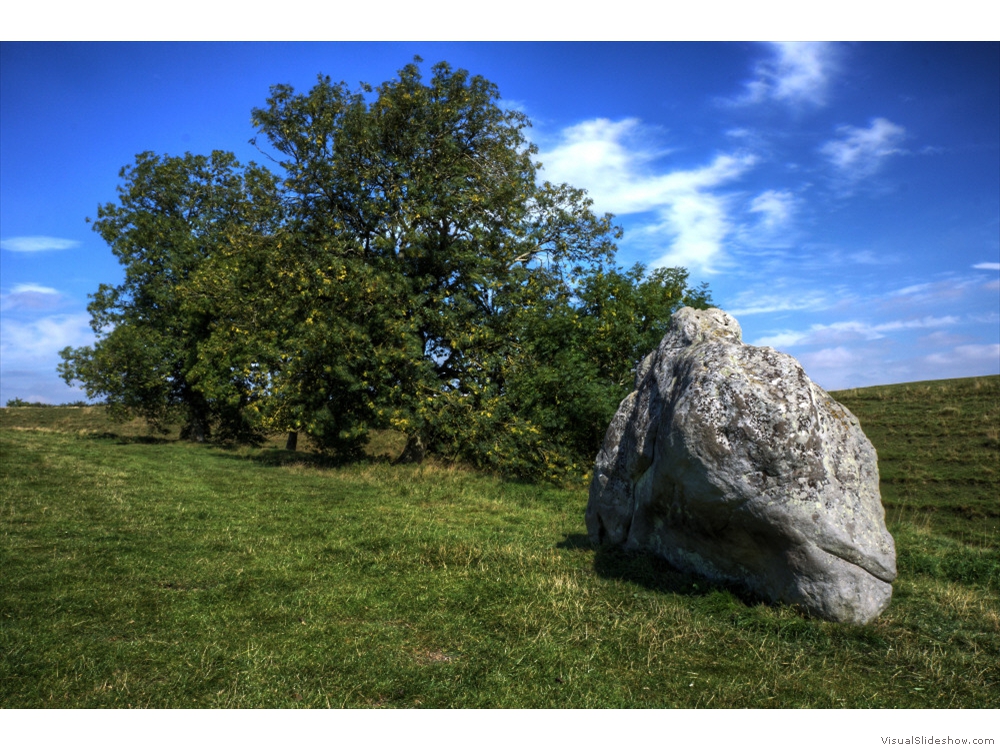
293,440
196,430
198,427
413,453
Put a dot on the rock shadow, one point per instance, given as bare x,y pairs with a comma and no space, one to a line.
650,571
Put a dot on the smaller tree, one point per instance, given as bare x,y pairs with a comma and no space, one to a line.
571,360
174,215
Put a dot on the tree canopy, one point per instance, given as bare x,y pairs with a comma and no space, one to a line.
403,268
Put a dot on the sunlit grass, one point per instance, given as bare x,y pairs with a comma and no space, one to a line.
142,572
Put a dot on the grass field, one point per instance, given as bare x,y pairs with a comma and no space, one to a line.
142,571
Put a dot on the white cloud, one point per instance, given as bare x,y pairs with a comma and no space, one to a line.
925,322
839,367
832,358
607,159
22,344
860,152
698,225
979,351
942,338
821,333
983,354
782,340
850,367
775,208
29,354
30,296
797,73
913,289
36,244
514,104
987,266
33,289
602,157
870,258
751,303
947,291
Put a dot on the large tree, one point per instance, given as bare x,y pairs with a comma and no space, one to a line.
433,184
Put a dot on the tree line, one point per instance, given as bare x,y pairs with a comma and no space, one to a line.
400,267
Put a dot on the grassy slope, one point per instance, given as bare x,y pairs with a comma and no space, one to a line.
143,573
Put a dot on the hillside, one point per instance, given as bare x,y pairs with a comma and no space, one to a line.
938,447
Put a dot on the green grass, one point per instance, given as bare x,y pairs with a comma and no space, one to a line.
151,572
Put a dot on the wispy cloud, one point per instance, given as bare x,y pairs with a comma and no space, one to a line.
23,344
752,303
946,291
853,367
984,354
870,258
33,289
795,73
775,208
839,367
36,244
913,289
987,266
769,220
695,225
30,296
826,333
834,357
853,354
942,338
623,176
860,152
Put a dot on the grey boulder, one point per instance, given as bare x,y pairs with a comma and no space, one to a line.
727,461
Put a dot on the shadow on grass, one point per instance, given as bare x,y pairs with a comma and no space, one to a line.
650,571
276,458
129,439
643,568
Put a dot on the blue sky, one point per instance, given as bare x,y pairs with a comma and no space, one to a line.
842,200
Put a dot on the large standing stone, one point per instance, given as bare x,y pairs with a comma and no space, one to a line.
731,464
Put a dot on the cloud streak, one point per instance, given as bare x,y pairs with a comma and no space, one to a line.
849,330
753,303
33,289
36,244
